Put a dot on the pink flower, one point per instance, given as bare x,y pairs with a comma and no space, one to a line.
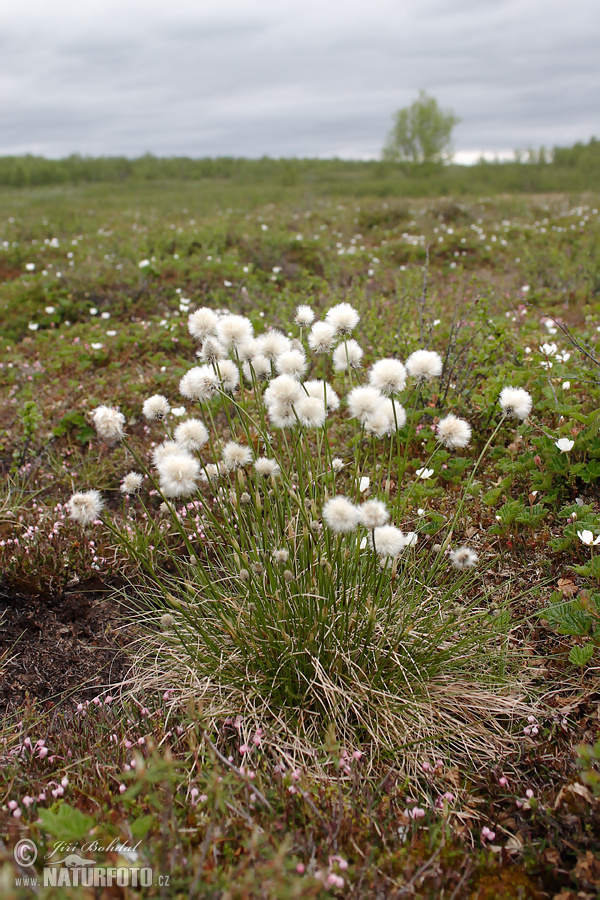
487,834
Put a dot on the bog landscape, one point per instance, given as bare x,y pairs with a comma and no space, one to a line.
299,528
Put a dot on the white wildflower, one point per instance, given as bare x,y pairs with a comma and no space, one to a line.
564,445
109,424
453,433
229,375
272,344
236,455
304,316
212,350
424,364
156,407
515,402
364,483
337,464
373,514
233,331
347,354
283,389
266,467
178,474
388,376
131,483
463,558
292,362
85,508
424,473
258,367
321,337
341,515
363,402
191,435
588,537
343,318
324,392
199,383
310,412
387,540
203,323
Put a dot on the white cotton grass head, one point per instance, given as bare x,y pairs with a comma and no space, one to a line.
341,515
109,424
321,337
343,318
229,375
304,316
387,418
233,331
156,407
324,391
257,369
453,433
292,362
163,450
283,389
236,456
199,383
272,344
463,558
84,507
203,323
388,376
282,415
178,474
363,402
424,365
131,483
310,411
373,514
346,355
389,541
212,350
515,402
266,467
191,434
211,473
247,350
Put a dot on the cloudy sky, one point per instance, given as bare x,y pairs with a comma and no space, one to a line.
291,77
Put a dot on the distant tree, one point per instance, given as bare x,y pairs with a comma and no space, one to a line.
422,133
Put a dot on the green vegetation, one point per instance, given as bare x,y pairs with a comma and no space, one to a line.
422,133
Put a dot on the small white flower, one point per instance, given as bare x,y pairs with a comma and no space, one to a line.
304,316
453,432
588,538
109,424
343,318
266,467
96,346
192,435
85,507
341,515
143,263
349,353
424,364
30,267
566,385
33,326
156,407
365,481
50,309
564,444
373,514
388,376
424,473
178,411
463,558
515,402
236,455
324,392
131,483
310,411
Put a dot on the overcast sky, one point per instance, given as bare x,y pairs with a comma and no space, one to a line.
291,77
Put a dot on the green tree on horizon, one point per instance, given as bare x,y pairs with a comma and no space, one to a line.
421,134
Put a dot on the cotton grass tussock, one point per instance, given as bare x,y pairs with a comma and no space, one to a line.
212,351
272,344
191,435
266,467
424,365
515,402
363,402
156,407
373,514
389,541
292,362
283,389
84,507
109,424
233,331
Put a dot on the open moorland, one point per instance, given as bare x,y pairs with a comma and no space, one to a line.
340,635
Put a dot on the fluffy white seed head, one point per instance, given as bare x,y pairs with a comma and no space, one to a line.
515,402
453,433
272,344
156,407
283,389
321,337
266,467
389,541
463,558
247,350
337,464
324,392
424,365
343,318
178,474
388,376
258,368
282,415
229,375
199,383
373,514
387,418
85,507
341,515
191,435
163,450
304,316
233,331
292,362
211,473
349,354
131,483
109,424
212,350
310,412
363,402
236,456
203,323
281,556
